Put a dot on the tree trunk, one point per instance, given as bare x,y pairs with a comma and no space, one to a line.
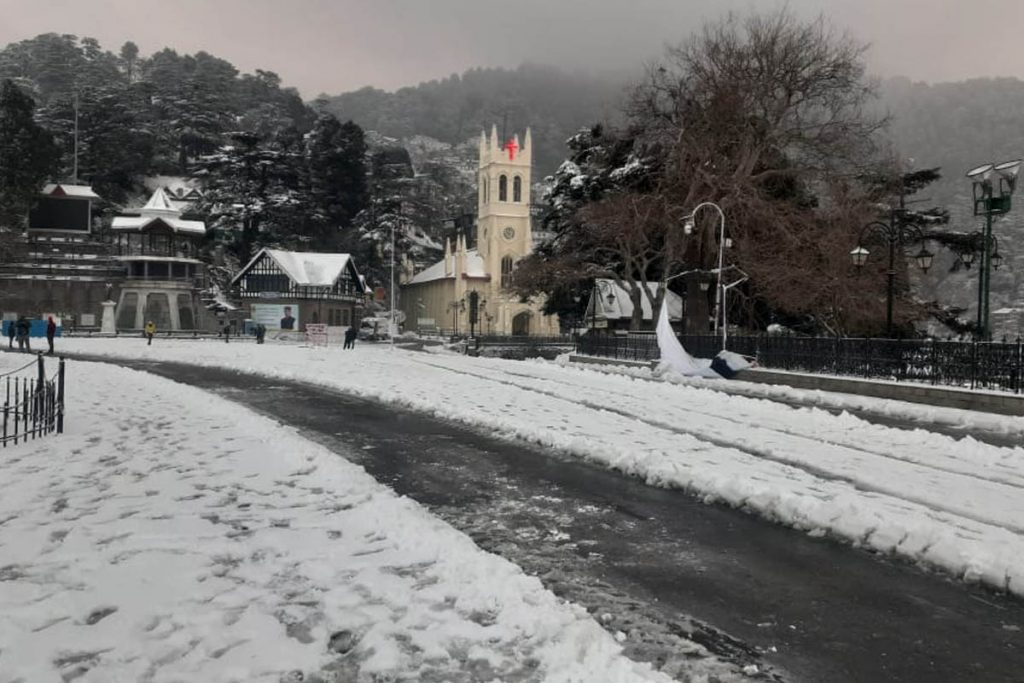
636,322
696,315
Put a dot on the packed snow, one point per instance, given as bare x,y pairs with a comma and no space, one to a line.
956,504
170,535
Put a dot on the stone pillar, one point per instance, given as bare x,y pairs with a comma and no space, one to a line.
107,322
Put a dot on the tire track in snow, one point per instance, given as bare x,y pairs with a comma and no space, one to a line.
817,439
895,492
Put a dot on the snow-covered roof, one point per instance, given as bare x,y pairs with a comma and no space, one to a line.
621,305
474,268
306,268
158,208
160,203
78,191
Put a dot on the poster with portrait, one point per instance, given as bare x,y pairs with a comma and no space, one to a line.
276,316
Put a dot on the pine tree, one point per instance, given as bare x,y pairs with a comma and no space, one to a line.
337,179
28,156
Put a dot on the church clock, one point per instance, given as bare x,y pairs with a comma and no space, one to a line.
508,233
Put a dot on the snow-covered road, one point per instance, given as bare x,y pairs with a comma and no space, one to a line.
952,503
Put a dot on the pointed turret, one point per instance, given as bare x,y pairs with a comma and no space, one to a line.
159,204
528,145
494,141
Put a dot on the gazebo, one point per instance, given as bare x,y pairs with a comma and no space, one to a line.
163,274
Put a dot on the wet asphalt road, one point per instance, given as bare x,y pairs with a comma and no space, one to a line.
656,564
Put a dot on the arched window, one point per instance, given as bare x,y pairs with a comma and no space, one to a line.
506,272
503,189
517,189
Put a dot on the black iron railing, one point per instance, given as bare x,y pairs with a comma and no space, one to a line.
33,403
975,365
566,340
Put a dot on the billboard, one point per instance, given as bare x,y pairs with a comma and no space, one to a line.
276,316
59,213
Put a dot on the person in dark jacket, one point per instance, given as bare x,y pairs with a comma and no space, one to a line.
24,330
10,333
51,332
350,338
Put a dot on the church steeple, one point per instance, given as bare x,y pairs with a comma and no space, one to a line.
503,228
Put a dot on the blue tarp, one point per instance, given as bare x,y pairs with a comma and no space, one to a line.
38,328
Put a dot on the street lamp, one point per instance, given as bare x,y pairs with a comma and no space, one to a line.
476,303
455,307
725,307
893,234
606,289
723,244
391,320
988,203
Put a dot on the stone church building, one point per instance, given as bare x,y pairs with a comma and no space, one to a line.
439,297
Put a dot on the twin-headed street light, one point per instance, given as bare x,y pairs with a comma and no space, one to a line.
989,202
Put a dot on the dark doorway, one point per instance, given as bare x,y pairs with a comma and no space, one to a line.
521,323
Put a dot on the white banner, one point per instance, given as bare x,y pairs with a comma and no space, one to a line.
276,316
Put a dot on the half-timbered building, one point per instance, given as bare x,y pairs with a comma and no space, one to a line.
286,290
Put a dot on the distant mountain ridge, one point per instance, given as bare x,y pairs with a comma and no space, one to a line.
552,102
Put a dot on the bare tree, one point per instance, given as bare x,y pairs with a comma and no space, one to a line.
763,115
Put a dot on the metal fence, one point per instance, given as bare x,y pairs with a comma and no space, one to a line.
566,340
976,365
33,403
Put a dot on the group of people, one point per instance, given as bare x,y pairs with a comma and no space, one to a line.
20,330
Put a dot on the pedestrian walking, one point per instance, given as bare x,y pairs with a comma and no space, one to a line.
150,331
350,338
23,332
10,333
51,332
227,332
261,332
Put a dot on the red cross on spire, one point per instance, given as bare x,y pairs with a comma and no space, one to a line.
511,146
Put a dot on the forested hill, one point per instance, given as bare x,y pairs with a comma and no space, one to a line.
140,115
552,102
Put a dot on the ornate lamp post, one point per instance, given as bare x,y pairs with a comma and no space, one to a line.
723,244
989,203
455,307
893,234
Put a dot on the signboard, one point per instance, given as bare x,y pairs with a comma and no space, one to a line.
59,213
276,316
316,334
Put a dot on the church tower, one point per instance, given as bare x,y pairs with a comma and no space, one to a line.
503,224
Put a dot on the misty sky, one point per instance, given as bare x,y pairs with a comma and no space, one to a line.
337,45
